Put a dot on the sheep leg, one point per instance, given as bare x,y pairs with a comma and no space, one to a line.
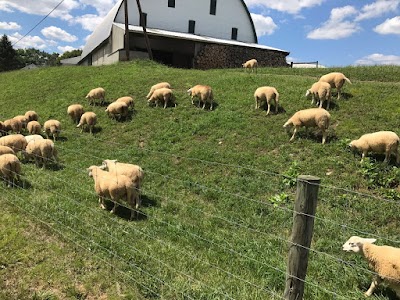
329,102
257,103
204,103
211,107
114,208
296,128
276,106
324,135
363,156
269,107
375,282
101,201
192,100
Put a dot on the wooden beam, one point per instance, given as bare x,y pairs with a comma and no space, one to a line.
146,38
126,30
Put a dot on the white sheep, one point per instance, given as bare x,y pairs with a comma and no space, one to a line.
22,119
384,260
33,137
320,92
117,110
34,127
12,125
17,142
134,172
88,120
75,111
311,117
43,151
52,128
97,93
10,168
115,187
379,142
267,94
158,86
127,100
204,93
336,80
163,94
31,115
251,64
6,150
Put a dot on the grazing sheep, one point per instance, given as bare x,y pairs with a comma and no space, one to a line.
379,142
156,87
320,92
52,127
31,115
10,168
43,151
22,119
6,150
34,127
312,117
127,100
89,119
384,260
12,125
251,64
134,172
117,110
33,137
204,93
16,142
97,93
115,187
162,94
336,80
75,111
267,94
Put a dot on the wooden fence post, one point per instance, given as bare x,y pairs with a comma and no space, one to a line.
302,232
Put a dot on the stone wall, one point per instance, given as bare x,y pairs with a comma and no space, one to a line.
213,56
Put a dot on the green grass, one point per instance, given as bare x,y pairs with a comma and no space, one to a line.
216,215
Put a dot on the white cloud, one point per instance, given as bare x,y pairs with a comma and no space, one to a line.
378,8
288,6
56,33
9,26
65,49
101,6
27,42
264,25
390,26
378,59
336,27
88,22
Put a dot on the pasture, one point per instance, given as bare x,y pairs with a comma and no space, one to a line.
218,191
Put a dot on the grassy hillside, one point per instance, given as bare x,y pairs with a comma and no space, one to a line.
217,210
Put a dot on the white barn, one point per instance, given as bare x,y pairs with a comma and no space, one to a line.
182,33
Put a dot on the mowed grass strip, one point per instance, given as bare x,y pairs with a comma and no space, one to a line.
217,214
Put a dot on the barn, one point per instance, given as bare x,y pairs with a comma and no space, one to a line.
200,34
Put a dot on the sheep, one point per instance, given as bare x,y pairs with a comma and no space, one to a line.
2,127
267,94
134,172
320,92
89,119
156,87
97,93
116,187
10,168
43,151
22,119
75,111
162,94
33,137
379,142
311,117
204,93
251,64
13,125
117,110
6,150
127,100
336,80
16,142
34,127
384,260
52,127
31,115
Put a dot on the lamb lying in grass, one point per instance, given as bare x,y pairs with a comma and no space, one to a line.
384,260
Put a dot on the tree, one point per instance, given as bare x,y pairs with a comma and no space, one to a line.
37,57
8,56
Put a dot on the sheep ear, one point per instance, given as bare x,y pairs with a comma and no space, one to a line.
371,241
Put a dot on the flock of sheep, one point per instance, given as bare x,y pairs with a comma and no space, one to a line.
121,182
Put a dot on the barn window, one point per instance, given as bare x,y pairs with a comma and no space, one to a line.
213,7
143,20
234,33
171,3
191,26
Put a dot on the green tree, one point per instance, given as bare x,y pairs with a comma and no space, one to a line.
37,57
8,56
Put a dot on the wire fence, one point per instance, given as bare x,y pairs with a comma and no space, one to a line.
181,237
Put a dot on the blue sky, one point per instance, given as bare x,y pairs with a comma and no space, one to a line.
335,33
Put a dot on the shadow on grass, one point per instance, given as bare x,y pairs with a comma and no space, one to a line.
61,139
315,136
199,104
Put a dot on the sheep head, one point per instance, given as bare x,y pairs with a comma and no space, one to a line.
308,93
91,169
355,244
